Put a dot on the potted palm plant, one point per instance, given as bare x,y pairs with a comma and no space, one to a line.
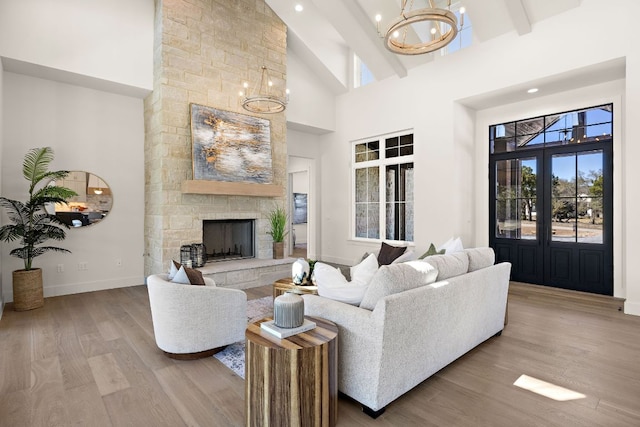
278,223
32,225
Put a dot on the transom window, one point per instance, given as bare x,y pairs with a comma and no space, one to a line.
465,35
362,76
383,187
573,127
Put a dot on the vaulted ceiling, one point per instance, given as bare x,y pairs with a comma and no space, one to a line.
326,32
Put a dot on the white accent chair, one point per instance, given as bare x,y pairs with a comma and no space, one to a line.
191,322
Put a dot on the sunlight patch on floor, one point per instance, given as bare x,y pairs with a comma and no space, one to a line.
546,389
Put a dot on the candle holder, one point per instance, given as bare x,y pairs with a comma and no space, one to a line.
288,310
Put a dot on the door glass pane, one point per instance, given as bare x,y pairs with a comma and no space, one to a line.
590,192
563,197
590,228
516,198
563,226
563,175
528,218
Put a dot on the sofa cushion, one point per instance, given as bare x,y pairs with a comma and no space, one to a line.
389,253
332,283
480,258
394,278
451,265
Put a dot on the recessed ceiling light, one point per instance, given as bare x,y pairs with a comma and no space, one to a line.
299,8
532,90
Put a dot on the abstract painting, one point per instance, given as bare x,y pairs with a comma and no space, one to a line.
230,146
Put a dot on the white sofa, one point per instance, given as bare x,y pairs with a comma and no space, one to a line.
195,321
412,334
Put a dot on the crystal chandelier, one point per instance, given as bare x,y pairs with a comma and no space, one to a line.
443,29
262,100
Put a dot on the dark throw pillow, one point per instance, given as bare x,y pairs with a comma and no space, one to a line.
389,253
195,276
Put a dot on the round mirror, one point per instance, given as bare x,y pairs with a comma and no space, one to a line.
91,205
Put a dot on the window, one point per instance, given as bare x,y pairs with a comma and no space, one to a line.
361,74
573,127
383,188
464,37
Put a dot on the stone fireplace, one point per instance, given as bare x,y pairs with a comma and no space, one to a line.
229,239
198,60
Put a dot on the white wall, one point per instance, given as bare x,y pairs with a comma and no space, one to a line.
89,130
630,178
1,150
447,139
110,40
310,105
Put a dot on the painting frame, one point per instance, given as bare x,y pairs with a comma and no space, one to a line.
230,147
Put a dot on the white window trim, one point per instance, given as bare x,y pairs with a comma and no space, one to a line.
381,163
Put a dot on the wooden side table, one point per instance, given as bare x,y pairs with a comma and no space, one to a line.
292,381
283,285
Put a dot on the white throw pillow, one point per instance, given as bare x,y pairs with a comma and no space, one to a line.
172,270
181,276
452,245
363,272
409,255
333,285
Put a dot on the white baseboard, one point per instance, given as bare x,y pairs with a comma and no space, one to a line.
77,288
631,307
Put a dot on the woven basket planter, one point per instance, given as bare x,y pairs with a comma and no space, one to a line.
27,289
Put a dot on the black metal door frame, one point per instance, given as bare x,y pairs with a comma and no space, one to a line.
533,260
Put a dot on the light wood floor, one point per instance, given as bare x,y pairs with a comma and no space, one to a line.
90,360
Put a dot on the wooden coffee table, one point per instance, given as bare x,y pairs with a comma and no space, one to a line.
292,381
283,285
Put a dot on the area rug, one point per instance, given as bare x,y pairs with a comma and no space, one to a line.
233,356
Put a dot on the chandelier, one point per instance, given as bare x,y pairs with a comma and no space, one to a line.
262,100
443,23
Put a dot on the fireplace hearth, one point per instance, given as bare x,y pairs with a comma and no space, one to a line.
229,239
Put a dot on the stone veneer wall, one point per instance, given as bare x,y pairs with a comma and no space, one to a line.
203,51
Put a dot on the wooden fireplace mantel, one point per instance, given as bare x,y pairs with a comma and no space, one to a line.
232,188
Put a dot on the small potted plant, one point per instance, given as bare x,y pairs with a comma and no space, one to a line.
277,224
32,225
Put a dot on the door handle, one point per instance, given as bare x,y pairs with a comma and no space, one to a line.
547,236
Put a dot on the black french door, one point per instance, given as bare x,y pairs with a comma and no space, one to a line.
551,203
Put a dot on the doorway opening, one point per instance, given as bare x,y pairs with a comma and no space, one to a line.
299,185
